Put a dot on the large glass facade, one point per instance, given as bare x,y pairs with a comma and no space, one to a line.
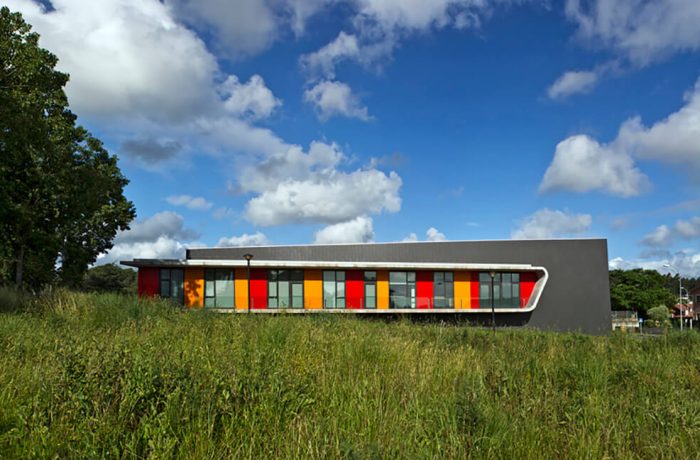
506,290
218,288
370,290
443,290
333,289
172,284
402,289
285,289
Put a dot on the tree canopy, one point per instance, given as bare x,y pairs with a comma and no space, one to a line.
61,192
639,290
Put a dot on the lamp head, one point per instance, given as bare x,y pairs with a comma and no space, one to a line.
247,256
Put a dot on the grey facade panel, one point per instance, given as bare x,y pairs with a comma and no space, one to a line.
576,297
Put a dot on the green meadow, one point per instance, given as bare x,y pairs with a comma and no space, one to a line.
98,375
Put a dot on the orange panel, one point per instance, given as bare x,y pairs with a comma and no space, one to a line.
462,288
313,289
382,290
194,287
241,288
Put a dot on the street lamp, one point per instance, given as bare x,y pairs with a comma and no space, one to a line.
492,273
680,291
248,256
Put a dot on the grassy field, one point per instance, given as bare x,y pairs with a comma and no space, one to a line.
109,376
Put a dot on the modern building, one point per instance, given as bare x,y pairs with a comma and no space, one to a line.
549,284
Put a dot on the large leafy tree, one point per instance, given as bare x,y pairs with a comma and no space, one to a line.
639,290
61,193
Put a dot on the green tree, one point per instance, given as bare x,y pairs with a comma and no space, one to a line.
639,290
110,278
659,316
61,193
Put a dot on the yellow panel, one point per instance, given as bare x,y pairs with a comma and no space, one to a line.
462,287
382,290
241,288
313,289
194,287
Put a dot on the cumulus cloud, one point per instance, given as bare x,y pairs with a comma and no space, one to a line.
162,235
120,57
432,234
248,27
358,230
332,197
572,82
640,30
253,99
665,236
196,203
255,239
323,61
163,224
583,164
686,261
332,98
546,223
294,186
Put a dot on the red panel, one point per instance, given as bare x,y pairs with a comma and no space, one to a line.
474,289
148,281
258,288
527,284
424,289
354,289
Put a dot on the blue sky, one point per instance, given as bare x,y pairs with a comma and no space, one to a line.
290,121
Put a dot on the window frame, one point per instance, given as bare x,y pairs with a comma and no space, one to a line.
215,279
169,280
337,298
293,277
446,295
409,282
500,301
370,280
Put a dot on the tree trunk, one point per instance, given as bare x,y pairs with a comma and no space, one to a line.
20,267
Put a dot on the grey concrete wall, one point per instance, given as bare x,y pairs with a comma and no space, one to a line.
576,297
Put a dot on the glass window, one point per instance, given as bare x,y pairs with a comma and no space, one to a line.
370,289
172,284
285,289
443,290
333,289
402,289
218,288
506,290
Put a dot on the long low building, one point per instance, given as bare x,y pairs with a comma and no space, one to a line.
548,284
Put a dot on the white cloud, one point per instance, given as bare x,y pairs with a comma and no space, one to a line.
256,239
332,197
581,164
665,236
573,82
545,223
163,224
252,100
434,235
640,30
686,261
323,61
190,202
331,98
244,28
411,238
294,186
161,236
248,27
120,56
358,230
223,213
661,236
162,248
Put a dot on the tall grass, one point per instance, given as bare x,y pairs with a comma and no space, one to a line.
113,376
